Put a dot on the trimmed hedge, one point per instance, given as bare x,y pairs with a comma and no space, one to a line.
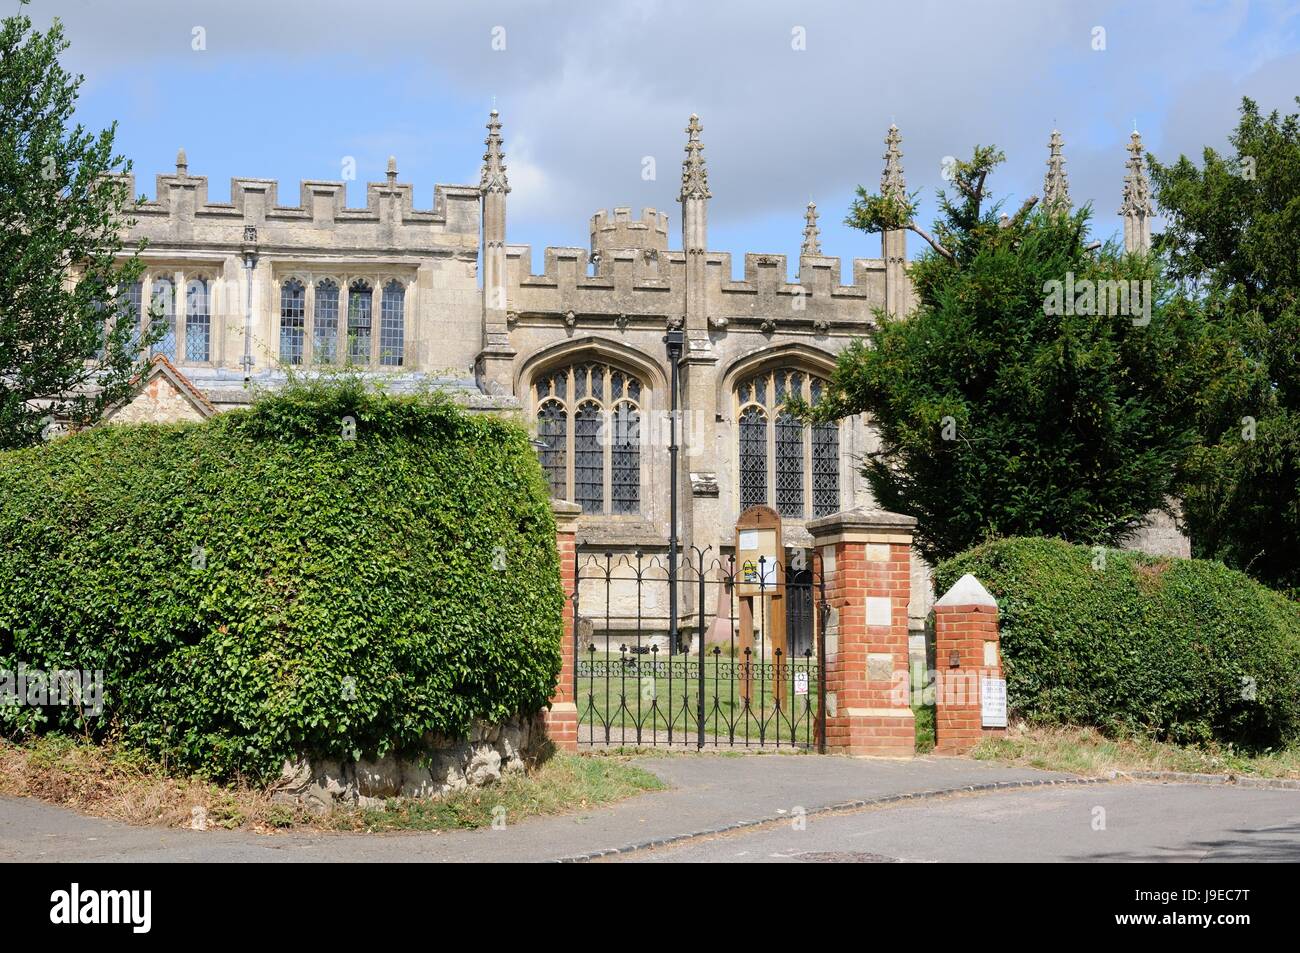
346,595
1175,648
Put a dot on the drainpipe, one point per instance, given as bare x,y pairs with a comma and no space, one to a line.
250,262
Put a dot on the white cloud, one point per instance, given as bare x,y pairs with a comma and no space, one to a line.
587,90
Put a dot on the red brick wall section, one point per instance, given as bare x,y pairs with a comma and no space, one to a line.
562,716
867,710
964,629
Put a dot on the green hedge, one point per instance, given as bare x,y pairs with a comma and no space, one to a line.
1169,647
346,595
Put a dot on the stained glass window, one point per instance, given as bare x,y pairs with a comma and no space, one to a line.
392,324
293,305
325,322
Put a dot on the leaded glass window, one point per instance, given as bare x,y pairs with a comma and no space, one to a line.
164,306
753,457
198,321
786,465
825,469
325,322
589,418
128,305
293,311
625,469
552,431
588,459
360,304
789,465
392,324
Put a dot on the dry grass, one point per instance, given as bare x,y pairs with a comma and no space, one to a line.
1087,752
110,782
124,786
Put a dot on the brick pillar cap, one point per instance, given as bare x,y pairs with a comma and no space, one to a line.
566,514
967,591
861,519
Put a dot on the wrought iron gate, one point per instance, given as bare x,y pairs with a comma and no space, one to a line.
748,672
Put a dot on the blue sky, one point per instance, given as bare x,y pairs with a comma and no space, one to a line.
287,89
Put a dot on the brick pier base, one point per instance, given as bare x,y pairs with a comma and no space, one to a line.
562,716
966,651
865,558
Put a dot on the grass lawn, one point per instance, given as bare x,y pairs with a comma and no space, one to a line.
125,786
1086,751
624,692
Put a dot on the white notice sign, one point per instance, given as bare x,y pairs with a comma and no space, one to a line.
993,702
801,683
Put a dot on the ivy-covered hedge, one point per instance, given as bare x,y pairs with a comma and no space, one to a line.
260,585
1184,649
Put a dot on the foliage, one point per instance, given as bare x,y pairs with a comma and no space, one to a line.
1003,405
261,585
1232,242
62,260
1185,650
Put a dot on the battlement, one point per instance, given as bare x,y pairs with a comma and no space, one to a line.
621,231
181,211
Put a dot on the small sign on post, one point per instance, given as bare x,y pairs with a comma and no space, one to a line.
993,702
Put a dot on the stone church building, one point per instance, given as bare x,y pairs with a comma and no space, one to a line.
439,297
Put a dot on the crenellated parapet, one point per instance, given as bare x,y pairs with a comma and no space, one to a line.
181,215
624,284
616,233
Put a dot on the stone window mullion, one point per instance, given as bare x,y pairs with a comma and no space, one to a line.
309,321
181,310
376,320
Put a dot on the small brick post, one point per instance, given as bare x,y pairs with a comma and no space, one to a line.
562,716
965,632
865,558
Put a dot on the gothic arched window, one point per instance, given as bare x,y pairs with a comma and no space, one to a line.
130,308
589,418
783,463
163,294
360,305
198,321
392,323
325,321
293,309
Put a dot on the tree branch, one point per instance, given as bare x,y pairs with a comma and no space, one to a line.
1024,210
933,244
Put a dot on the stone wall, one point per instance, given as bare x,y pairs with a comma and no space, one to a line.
487,754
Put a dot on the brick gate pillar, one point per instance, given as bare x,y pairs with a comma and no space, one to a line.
865,560
966,650
562,716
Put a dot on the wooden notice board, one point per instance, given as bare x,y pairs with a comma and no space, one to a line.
760,590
